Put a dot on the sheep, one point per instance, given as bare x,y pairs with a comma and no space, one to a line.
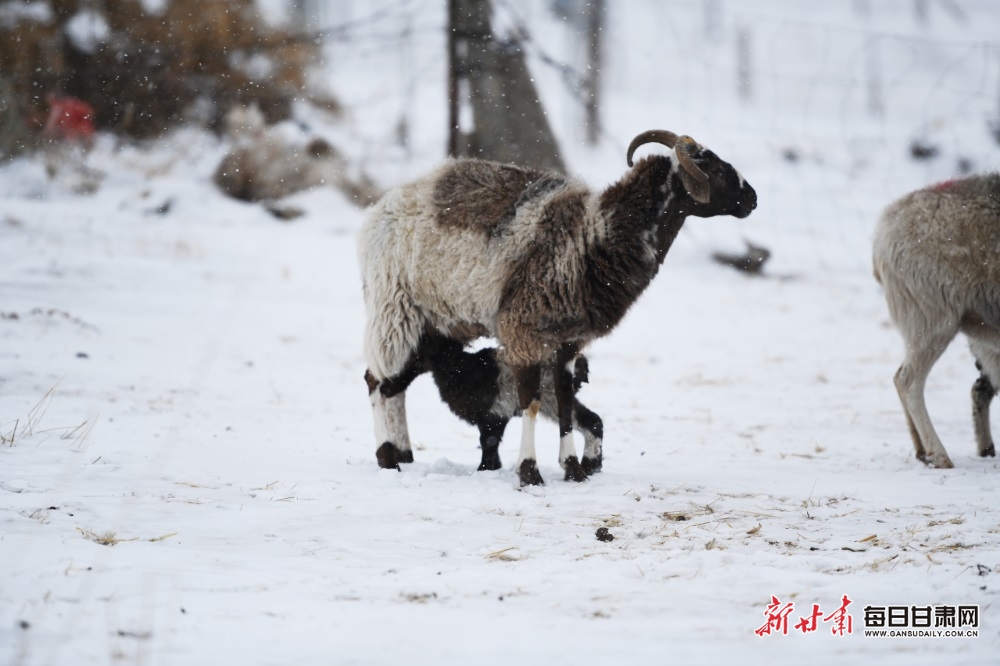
268,163
936,253
480,390
534,259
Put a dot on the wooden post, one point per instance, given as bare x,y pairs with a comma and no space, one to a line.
454,69
510,123
873,75
592,83
744,65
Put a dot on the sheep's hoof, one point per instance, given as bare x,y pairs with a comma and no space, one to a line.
529,475
490,462
491,455
592,466
938,462
574,470
389,457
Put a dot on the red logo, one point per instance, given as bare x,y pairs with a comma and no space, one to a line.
839,621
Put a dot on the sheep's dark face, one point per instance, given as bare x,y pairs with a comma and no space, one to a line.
728,193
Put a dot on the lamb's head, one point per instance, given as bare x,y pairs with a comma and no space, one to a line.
712,184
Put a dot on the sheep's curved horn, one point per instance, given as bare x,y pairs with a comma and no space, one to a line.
683,148
663,137
699,189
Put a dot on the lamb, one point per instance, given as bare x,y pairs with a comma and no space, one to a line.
534,259
937,255
480,390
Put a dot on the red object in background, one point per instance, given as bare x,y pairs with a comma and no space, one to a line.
70,119
945,186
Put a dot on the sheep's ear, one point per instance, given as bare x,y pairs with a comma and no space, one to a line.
698,189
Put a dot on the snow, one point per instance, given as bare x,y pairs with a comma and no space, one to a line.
16,11
87,29
181,378
154,6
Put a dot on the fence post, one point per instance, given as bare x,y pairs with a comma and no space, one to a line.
592,82
744,64
510,124
873,75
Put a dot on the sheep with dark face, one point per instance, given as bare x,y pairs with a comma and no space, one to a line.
480,390
535,259
937,255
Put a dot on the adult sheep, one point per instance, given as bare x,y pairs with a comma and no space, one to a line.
936,253
535,259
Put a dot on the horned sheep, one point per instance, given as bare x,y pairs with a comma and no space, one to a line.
534,259
936,253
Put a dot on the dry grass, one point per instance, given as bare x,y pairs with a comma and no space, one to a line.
511,554
106,539
110,539
37,413
28,427
153,66
7,438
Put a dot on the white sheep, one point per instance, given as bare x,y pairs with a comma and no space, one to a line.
535,259
937,255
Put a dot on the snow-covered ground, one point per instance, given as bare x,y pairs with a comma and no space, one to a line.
187,471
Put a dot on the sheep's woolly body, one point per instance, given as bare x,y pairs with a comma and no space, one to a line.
942,243
268,163
936,252
419,270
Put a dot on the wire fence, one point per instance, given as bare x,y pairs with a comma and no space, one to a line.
846,104
860,70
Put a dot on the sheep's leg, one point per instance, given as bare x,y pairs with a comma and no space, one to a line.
388,399
562,375
390,429
988,363
592,427
528,379
490,434
910,379
982,396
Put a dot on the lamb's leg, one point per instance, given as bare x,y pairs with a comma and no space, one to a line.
528,379
388,399
490,434
921,354
592,427
562,375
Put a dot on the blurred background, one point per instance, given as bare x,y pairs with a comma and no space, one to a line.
829,99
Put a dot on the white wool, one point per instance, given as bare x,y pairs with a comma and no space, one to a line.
935,255
567,449
415,272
